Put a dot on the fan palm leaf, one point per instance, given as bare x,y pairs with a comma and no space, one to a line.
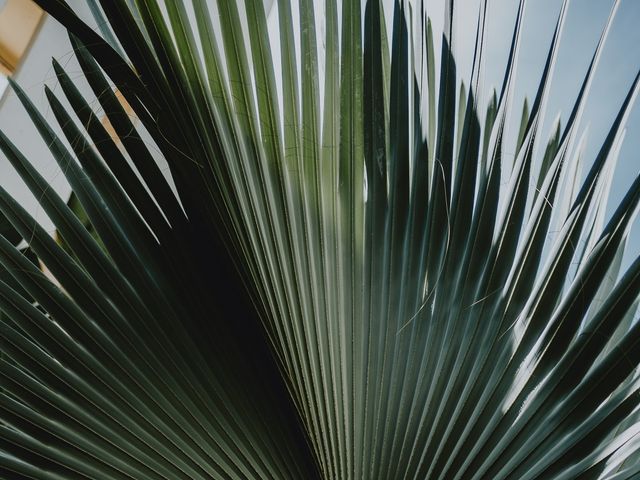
331,279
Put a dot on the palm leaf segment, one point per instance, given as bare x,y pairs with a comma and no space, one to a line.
406,314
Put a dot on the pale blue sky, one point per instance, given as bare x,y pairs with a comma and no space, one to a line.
584,23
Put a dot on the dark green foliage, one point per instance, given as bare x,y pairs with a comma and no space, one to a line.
327,282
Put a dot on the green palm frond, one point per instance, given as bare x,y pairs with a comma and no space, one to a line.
331,278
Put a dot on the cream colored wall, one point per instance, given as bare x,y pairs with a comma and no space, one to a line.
19,20
33,73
